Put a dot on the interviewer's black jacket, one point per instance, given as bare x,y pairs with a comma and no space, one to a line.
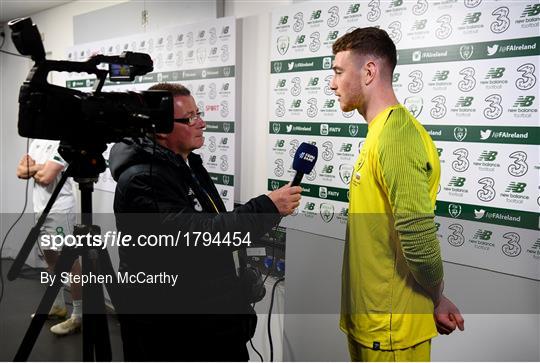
157,193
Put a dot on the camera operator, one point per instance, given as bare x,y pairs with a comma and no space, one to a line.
44,164
169,183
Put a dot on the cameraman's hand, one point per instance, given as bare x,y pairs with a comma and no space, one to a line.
286,199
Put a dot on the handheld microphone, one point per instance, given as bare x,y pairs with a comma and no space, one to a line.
304,161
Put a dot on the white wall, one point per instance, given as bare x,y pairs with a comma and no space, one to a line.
254,17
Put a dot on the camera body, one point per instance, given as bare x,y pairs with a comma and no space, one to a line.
52,112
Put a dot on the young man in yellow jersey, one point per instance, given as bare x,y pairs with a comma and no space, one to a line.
392,301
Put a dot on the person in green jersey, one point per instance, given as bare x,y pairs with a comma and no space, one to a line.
392,279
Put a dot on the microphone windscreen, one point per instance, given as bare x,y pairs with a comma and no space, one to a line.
305,158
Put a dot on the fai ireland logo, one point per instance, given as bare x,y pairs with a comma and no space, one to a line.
283,44
274,184
353,130
454,210
226,180
460,133
277,67
327,212
466,51
345,173
348,114
414,104
227,127
276,127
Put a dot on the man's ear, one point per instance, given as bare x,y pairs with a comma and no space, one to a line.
370,72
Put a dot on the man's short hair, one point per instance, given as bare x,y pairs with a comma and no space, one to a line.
175,88
368,41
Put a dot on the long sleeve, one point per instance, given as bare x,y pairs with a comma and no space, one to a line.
405,173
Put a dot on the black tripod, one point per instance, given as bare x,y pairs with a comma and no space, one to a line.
85,169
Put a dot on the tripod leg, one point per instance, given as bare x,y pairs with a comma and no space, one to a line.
112,289
67,257
96,342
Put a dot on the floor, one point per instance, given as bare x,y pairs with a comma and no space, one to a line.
21,298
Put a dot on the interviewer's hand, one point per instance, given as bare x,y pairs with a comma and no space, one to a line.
286,199
448,317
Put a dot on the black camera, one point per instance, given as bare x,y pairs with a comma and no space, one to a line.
57,113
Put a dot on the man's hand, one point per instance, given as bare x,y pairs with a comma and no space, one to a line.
27,167
286,199
448,317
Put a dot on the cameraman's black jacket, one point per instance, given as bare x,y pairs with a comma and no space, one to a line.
158,193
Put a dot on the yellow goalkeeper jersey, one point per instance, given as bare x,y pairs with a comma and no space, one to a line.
391,247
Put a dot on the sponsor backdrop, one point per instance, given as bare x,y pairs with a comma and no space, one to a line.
200,56
468,70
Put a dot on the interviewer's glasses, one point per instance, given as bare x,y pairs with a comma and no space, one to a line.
190,121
